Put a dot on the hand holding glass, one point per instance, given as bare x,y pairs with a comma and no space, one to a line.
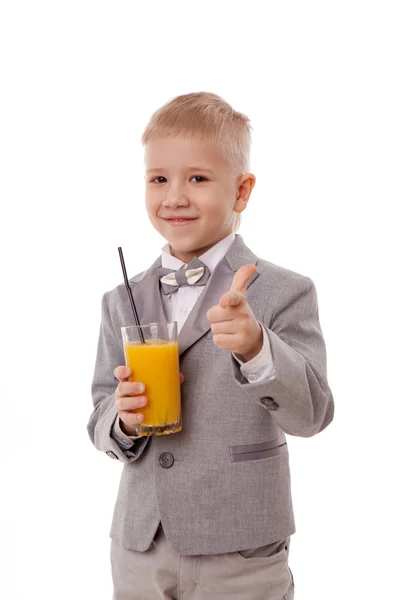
155,363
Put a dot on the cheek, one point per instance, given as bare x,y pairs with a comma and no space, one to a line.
221,213
152,203
214,205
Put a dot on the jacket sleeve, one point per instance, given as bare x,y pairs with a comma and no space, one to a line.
298,397
103,426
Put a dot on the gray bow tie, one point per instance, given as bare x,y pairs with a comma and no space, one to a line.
196,273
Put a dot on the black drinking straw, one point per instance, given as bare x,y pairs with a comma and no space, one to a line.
127,285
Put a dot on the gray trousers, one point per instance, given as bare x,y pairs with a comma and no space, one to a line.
160,573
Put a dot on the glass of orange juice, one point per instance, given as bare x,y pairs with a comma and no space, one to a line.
155,362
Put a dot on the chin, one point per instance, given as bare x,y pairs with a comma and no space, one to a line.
184,248
181,248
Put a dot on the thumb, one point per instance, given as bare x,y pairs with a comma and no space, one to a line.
241,278
122,373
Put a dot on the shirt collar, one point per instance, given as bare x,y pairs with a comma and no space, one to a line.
211,257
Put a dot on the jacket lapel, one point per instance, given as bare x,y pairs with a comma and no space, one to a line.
147,296
148,300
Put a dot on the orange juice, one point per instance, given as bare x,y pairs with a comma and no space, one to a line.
156,364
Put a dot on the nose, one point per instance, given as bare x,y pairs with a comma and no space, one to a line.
175,196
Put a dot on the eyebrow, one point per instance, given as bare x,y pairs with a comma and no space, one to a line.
203,169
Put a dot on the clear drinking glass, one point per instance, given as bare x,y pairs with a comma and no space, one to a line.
155,362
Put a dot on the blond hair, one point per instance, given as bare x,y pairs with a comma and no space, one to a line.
211,118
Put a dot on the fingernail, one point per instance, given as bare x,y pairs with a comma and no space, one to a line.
140,387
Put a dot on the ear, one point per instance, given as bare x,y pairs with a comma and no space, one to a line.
245,186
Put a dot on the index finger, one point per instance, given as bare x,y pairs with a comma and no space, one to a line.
232,299
122,373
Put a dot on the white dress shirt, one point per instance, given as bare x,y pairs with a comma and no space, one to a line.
179,304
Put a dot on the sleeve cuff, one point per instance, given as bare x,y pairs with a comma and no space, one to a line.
122,439
261,366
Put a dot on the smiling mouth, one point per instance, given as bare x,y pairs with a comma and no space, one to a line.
180,221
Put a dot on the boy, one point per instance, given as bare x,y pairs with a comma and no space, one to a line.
207,513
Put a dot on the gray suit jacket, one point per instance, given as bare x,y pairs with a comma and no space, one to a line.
222,484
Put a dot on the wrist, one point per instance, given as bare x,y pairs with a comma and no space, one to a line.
125,429
254,350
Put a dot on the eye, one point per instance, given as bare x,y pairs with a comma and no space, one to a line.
199,177
159,177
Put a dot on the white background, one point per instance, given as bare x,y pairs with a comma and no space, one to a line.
326,85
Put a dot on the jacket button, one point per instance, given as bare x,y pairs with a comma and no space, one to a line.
111,454
269,403
166,460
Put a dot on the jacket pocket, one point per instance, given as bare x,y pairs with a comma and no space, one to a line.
256,451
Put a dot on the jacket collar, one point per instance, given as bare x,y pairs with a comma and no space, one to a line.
147,294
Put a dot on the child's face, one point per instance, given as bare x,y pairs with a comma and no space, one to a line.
190,178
